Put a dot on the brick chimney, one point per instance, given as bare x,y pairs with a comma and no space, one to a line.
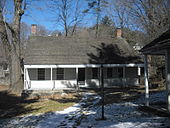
33,29
118,33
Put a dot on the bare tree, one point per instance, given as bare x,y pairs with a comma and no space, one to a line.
152,16
95,7
78,17
25,32
67,13
118,13
42,31
12,46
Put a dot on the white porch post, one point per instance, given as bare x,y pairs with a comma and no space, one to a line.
146,80
51,74
77,78
27,79
167,55
139,73
24,78
85,76
53,83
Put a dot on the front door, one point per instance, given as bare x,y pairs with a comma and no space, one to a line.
81,76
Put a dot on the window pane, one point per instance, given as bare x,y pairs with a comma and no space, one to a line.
60,77
109,72
60,71
95,73
41,74
60,74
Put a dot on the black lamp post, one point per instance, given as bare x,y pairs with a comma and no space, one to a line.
102,91
102,84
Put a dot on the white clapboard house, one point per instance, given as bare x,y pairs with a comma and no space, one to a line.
56,62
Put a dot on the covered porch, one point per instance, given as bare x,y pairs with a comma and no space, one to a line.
159,46
53,77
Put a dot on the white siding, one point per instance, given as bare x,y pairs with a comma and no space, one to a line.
41,84
52,85
59,84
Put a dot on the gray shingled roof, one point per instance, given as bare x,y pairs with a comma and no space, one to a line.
158,45
69,50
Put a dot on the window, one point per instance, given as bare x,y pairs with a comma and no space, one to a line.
41,74
109,72
60,74
120,72
95,73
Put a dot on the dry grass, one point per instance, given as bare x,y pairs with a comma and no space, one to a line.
13,106
45,106
118,94
52,103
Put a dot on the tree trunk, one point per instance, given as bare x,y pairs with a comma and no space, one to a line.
16,81
12,47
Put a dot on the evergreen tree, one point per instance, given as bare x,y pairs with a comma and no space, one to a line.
106,21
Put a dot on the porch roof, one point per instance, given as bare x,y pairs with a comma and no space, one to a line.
158,45
84,66
71,50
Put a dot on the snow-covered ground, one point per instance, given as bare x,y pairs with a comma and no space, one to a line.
123,115
87,114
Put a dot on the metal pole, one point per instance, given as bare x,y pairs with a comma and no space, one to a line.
124,77
102,91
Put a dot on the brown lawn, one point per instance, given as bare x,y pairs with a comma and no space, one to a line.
12,105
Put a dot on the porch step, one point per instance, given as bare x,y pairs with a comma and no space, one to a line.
157,111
